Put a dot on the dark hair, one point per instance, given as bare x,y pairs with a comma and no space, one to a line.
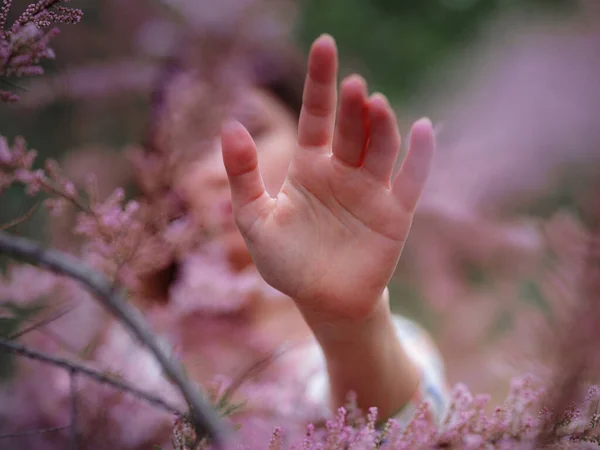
281,71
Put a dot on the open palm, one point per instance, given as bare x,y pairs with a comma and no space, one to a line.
333,235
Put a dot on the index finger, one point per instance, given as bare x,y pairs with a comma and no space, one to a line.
317,117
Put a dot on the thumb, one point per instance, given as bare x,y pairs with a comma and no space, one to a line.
240,157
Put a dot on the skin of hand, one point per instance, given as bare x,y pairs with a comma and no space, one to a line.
332,237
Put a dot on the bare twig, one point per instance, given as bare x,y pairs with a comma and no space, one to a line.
22,218
74,428
33,432
73,366
203,416
10,83
256,368
40,327
40,323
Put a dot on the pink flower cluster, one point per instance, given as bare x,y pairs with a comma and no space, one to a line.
26,43
521,423
16,165
110,228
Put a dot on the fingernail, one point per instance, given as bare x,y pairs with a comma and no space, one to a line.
426,121
378,96
231,126
326,36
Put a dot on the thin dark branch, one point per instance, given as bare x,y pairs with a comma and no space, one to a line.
39,326
203,416
22,218
40,323
60,341
10,83
256,368
33,432
74,427
73,366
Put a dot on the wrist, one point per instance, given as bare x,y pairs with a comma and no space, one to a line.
367,357
333,331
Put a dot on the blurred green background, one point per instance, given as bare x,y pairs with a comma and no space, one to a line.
397,45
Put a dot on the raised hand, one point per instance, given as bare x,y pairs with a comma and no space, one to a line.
332,236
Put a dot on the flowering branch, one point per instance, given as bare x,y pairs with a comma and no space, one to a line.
204,419
25,43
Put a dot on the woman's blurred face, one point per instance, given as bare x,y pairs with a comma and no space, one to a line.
205,186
